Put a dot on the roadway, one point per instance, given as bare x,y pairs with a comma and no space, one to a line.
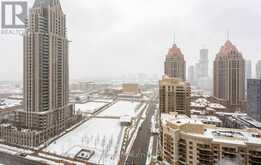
7,159
139,151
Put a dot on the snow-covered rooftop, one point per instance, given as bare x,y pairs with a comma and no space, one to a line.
205,118
217,134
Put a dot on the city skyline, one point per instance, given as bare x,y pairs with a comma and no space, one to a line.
72,109
116,40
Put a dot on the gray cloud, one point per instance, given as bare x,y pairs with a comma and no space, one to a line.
132,36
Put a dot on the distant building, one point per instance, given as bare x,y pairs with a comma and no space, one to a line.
191,74
238,120
254,98
191,142
130,88
258,70
175,65
201,72
229,76
248,69
174,96
203,63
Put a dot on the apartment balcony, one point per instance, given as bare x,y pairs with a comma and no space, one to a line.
229,155
254,160
205,162
202,149
182,161
255,154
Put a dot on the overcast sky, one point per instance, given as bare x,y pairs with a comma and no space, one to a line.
116,37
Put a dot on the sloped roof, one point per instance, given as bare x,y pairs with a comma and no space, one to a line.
228,48
175,51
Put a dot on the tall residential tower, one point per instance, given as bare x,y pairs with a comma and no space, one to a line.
47,111
175,65
229,76
203,63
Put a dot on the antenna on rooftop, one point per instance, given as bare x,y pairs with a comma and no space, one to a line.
228,35
174,38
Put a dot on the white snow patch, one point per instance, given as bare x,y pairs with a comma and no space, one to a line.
8,103
123,108
89,107
104,136
149,157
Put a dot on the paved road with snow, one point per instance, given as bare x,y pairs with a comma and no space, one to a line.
7,159
139,151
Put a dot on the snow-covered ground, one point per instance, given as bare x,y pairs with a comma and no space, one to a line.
123,108
13,150
34,158
104,100
8,103
104,136
89,107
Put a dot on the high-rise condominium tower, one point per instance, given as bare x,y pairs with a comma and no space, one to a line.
203,63
229,75
174,96
191,74
46,62
47,111
258,70
175,65
254,98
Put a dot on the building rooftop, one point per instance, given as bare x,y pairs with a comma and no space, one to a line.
204,118
203,102
194,127
175,51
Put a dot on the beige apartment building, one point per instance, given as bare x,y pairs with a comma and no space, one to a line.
187,141
229,77
174,95
175,64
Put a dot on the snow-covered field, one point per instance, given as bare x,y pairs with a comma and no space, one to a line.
123,108
89,107
8,103
104,136
104,100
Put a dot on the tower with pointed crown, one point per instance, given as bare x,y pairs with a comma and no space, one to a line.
175,65
229,76
47,111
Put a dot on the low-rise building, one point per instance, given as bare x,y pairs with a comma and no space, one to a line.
186,141
130,88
